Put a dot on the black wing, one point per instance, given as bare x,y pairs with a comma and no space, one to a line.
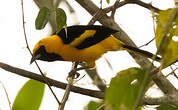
74,32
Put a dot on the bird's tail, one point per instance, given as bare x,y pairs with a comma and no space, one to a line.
141,52
113,44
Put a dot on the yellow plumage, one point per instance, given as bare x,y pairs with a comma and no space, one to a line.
82,44
68,52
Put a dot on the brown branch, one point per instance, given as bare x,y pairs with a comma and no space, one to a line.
154,101
173,71
95,17
58,84
138,2
70,80
114,8
83,91
145,5
6,93
96,78
167,99
147,43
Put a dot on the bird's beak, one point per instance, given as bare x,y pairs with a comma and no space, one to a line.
34,57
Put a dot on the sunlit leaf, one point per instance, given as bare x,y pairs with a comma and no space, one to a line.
167,107
42,18
92,105
124,89
30,96
60,19
169,49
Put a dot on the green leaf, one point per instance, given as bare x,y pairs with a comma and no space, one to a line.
60,19
42,18
167,107
30,96
108,1
92,105
169,50
122,92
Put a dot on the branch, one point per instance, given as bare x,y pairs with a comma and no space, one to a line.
173,98
145,5
138,2
147,43
114,8
162,81
70,80
28,74
167,99
96,79
9,102
95,17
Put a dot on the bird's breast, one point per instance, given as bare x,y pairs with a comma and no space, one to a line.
92,53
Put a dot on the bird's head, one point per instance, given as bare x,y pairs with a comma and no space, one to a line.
47,49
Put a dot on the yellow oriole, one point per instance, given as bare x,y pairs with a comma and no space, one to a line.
81,44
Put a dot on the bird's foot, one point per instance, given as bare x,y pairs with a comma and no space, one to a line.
74,74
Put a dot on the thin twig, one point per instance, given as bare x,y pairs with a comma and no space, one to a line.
138,2
96,17
101,107
145,5
9,102
93,74
147,43
79,79
69,85
23,19
173,72
114,8
109,64
153,30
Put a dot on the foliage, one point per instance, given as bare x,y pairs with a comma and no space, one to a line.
43,17
30,96
168,49
60,19
123,92
93,105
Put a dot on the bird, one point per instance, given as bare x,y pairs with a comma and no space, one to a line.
82,43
